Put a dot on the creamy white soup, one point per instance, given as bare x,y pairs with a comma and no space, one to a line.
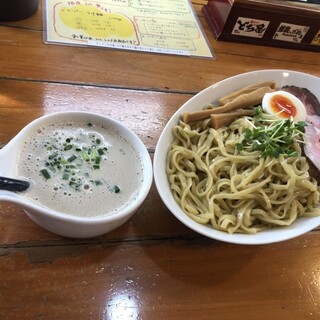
80,169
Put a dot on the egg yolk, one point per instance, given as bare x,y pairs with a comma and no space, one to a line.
283,106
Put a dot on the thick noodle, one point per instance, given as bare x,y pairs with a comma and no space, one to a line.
237,192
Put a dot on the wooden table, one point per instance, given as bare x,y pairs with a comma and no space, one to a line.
152,267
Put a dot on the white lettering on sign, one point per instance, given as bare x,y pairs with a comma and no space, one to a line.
290,32
249,27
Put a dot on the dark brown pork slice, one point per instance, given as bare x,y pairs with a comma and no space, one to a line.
313,170
313,109
308,99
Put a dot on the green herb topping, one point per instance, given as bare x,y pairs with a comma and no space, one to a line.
116,189
273,137
45,173
75,158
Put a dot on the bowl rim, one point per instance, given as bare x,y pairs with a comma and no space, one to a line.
264,237
108,217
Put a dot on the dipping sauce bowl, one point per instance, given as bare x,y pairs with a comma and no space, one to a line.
72,225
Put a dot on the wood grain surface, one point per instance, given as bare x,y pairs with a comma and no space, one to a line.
152,267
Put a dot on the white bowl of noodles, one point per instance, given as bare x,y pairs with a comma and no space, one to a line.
211,94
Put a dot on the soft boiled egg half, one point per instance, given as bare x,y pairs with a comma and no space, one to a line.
284,105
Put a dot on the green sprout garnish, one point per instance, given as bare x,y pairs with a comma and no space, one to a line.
273,137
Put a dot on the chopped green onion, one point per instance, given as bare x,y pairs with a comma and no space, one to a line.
72,158
63,161
97,182
45,173
52,156
85,155
68,147
65,176
87,158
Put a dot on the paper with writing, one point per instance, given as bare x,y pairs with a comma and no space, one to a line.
159,26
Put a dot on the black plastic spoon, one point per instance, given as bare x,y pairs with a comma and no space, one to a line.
15,185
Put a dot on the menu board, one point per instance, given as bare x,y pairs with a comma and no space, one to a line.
158,26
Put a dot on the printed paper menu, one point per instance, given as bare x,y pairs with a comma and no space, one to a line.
158,26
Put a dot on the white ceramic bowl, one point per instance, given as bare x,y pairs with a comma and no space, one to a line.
211,94
58,222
